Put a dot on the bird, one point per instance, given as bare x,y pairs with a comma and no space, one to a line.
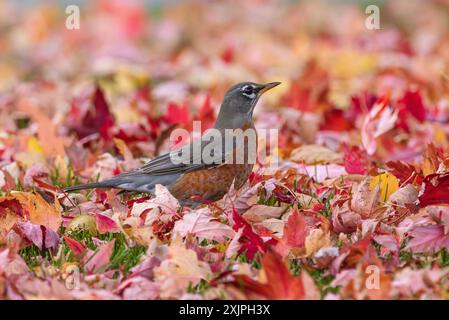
188,175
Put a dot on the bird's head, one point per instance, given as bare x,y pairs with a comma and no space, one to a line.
239,102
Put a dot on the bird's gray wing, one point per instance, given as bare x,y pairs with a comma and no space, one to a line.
188,158
166,168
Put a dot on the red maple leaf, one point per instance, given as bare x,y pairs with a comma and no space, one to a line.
227,56
252,242
295,233
295,230
280,283
206,115
97,118
105,224
134,133
411,103
405,171
362,103
12,205
355,161
352,254
435,190
75,246
336,120
177,114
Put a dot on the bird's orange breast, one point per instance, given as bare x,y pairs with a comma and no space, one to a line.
213,183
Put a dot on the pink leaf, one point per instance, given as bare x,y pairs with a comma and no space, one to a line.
428,238
164,200
201,224
379,120
76,247
105,224
41,236
99,259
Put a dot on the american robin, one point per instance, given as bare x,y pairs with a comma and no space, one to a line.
193,175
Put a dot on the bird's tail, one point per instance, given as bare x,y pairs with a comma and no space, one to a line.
114,182
129,181
103,184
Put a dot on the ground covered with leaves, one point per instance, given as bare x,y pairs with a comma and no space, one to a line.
356,209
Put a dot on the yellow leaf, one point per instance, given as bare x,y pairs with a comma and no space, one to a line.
123,149
440,135
221,247
388,184
84,222
347,64
34,146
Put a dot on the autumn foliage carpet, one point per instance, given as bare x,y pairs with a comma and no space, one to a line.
356,209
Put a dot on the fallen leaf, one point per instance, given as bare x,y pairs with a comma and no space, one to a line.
355,161
75,246
10,213
295,233
105,224
163,200
429,238
97,261
315,154
315,240
96,119
42,237
379,120
388,184
251,241
49,143
405,195
202,225
279,282
84,222
258,213
365,199
434,190
182,265
38,210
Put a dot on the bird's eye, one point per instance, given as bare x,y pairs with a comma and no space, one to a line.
248,91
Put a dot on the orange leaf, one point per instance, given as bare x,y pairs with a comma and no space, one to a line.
48,139
295,232
37,209
279,284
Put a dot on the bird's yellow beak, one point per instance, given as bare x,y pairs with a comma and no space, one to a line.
267,86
